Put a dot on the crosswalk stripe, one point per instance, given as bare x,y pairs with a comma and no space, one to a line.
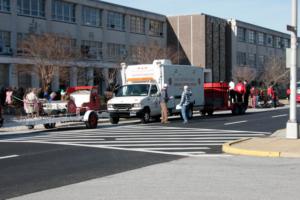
144,138
176,148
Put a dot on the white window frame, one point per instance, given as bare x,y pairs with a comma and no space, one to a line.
91,16
115,21
5,5
39,11
63,11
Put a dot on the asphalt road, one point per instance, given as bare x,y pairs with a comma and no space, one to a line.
70,155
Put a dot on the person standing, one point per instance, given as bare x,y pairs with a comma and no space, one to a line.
163,100
240,91
231,92
185,103
247,93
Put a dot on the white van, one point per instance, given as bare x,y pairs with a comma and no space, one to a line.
141,85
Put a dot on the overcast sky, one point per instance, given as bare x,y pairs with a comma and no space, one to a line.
274,14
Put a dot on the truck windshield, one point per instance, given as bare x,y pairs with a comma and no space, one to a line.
133,90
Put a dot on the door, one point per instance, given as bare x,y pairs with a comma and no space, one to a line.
154,98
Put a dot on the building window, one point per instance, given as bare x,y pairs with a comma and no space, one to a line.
261,60
286,43
91,49
63,11
137,53
241,34
252,60
5,5
241,58
5,47
20,38
270,41
261,39
34,8
279,44
91,16
156,28
116,21
251,37
116,51
137,24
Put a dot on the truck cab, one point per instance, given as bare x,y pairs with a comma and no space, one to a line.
135,100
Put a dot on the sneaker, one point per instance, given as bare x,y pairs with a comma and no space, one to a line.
185,122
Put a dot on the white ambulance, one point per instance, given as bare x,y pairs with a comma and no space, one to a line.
141,85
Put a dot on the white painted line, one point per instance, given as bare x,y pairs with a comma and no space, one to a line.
6,157
276,116
193,152
150,145
159,142
175,148
176,138
238,122
131,149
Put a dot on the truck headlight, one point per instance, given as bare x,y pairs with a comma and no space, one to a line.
110,106
137,105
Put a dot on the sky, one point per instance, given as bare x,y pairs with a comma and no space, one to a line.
273,14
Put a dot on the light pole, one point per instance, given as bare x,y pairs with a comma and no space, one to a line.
292,124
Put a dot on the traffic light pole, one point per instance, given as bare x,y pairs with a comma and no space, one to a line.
292,124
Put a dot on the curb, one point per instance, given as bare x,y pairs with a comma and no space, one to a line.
228,148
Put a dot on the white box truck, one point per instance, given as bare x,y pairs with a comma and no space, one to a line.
141,85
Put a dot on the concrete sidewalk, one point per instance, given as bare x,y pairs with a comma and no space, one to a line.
274,146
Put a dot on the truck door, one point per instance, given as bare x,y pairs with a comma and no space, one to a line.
154,98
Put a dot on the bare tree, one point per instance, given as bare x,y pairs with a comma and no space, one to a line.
48,52
244,73
274,71
140,54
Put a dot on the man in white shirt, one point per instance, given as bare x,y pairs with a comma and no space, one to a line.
231,91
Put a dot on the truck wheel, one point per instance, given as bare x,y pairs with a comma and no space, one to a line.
145,116
49,126
210,112
114,120
92,121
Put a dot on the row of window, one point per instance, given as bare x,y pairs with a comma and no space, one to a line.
5,5
250,59
254,37
65,12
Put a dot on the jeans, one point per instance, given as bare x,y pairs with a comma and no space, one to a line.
184,113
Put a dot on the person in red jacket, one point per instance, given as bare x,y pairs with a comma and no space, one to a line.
240,91
288,93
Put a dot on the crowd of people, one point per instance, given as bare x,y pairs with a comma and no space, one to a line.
19,101
254,95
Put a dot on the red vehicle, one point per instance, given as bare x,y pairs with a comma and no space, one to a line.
81,104
217,98
83,98
298,92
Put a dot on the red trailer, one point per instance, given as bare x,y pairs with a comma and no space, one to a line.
217,98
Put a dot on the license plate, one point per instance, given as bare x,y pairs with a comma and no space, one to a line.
132,114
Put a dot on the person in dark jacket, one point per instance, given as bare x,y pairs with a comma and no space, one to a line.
185,103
